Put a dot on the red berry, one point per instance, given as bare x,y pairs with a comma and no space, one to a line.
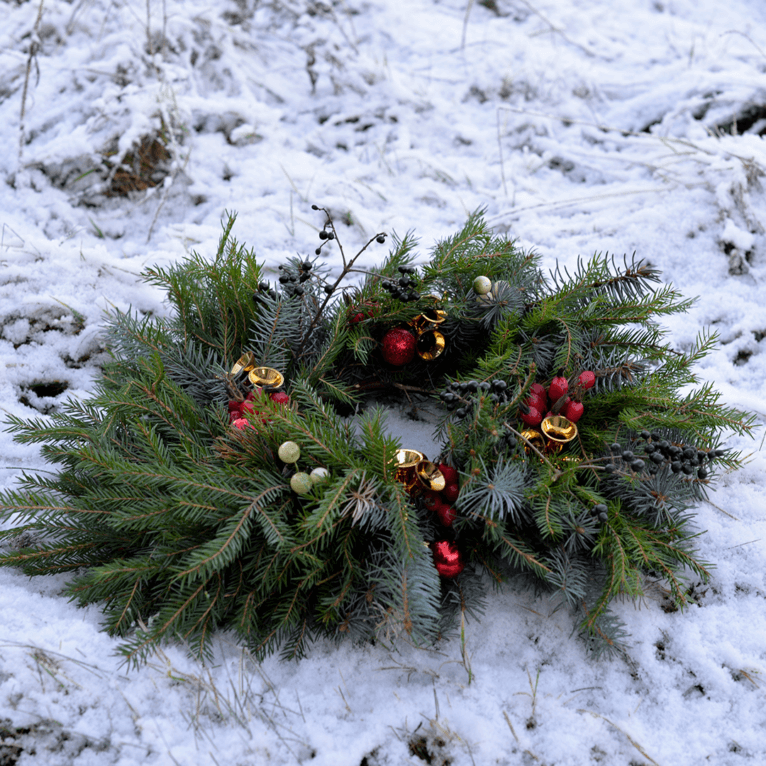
431,500
280,397
234,406
573,411
446,514
257,391
537,389
587,379
450,493
538,402
533,417
449,473
558,388
241,423
248,406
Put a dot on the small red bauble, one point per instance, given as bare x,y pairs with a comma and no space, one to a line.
533,417
280,397
587,379
573,411
431,500
450,493
398,346
449,473
559,386
447,558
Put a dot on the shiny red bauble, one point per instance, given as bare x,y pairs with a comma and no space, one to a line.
398,346
447,558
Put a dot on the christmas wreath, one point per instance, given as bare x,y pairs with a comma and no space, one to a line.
233,468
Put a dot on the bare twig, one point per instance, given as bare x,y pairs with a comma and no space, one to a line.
34,47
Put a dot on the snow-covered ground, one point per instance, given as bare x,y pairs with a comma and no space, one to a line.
581,126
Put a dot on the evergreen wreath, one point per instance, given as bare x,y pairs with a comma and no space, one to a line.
231,472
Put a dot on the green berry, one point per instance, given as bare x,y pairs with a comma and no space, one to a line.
289,452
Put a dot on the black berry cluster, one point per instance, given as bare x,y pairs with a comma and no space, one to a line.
600,512
660,452
463,394
404,288
292,279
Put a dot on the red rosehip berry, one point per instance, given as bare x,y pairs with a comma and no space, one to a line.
280,397
241,423
532,417
558,388
573,411
431,500
450,493
446,514
587,379
449,473
537,389
538,402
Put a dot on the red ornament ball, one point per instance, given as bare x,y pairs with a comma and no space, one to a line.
447,558
449,473
450,493
573,411
398,346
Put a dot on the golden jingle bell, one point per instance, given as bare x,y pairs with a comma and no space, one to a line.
417,473
266,377
246,362
559,431
535,438
430,342
407,461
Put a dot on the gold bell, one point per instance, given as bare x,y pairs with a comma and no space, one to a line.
559,431
407,461
535,438
429,476
266,377
245,362
430,342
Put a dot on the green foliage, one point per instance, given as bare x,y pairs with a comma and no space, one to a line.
178,523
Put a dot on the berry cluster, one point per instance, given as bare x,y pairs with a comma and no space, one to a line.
556,400
440,503
462,394
600,512
238,411
681,458
403,289
292,281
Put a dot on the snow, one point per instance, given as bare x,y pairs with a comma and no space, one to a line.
581,127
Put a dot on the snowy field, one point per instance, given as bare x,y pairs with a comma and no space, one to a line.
581,126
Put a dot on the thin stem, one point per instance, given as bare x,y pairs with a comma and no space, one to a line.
346,268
